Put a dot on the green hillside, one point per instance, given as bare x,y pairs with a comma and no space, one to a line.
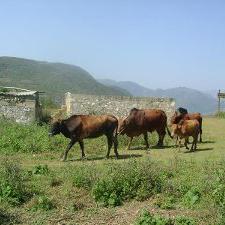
52,78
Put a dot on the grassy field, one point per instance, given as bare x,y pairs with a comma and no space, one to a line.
171,187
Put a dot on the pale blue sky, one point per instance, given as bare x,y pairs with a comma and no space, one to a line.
159,44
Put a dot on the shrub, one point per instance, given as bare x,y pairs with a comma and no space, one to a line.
81,176
165,202
181,220
145,218
191,197
127,181
32,138
42,203
40,170
220,115
12,186
219,194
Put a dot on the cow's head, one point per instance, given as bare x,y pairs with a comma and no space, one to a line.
134,119
176,118
122,126
176,128
55,128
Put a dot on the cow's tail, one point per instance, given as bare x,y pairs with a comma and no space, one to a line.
168,131
116,129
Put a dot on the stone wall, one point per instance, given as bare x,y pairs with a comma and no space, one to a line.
116,105
19,111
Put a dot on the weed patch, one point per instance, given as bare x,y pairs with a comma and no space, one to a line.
145,218
12,185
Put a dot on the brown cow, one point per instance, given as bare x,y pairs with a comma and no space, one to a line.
185,129
141,121
176,118
79,127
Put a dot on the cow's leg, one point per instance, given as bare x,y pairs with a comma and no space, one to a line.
192,146
81,143
146,140
70,145
200,133
161,134
176,141
186,143
195,142
128,147
195,139
115,142
179,143
110,143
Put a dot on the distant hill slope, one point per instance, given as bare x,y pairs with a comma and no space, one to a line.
193,100
53,78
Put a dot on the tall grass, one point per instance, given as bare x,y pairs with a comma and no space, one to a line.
33,138
16,137
220,115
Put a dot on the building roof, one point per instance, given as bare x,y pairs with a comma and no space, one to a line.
22,93
13,91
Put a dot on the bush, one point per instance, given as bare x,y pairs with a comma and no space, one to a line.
40,170
32,138
220,115
48,103
127,181
145,218
219,195
42,203
181,220
165,202
83,176
12,186
191,197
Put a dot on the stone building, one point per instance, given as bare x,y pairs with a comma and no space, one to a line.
20,105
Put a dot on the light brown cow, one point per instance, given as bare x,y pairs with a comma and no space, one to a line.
185,129
142,121
176,118
79,127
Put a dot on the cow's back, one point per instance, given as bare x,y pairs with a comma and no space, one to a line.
154,119
194,116
90,126
190,127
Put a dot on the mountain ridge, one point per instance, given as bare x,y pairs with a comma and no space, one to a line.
52,78
193,100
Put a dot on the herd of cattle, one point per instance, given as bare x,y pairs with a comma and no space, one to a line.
139,122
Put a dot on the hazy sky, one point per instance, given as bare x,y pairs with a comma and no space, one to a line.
156,43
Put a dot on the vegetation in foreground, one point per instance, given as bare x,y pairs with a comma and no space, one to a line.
173,188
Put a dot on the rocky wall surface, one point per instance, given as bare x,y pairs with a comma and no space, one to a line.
19,112
116,105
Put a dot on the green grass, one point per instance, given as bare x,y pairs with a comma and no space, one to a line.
170,185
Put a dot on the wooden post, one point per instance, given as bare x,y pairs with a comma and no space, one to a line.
218,102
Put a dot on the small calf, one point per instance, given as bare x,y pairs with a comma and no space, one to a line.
185,129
